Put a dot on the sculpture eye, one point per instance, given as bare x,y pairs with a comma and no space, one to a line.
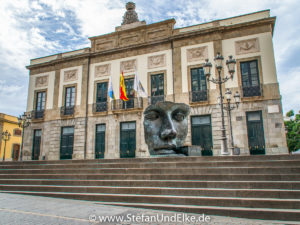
152,115
178,116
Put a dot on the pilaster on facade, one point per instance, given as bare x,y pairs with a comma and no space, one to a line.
169,63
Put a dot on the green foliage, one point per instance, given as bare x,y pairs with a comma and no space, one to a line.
290,113
293,131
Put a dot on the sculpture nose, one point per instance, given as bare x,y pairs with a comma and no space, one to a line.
168,130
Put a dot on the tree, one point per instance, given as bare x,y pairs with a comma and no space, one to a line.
293,131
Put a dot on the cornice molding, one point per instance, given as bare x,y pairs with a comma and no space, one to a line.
173,37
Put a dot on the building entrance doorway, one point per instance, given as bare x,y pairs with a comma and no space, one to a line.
67,141
256,138
16,152
100,141
36,148
202,134
127,140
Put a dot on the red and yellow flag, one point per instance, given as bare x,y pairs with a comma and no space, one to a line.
123,94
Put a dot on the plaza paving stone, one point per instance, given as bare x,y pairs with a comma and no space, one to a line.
33,210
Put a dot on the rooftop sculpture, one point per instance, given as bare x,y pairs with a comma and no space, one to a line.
130,15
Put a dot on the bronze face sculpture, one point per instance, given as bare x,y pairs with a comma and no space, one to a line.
166,127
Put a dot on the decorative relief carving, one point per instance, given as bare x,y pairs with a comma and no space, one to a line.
41,81
104,45
70,75
129,40
196,54
156,61
158,33
128,66
103,70
247,46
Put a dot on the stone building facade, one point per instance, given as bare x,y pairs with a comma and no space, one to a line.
76,119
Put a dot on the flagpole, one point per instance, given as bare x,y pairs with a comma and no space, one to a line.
137,94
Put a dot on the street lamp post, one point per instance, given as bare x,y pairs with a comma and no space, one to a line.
229,107
5,137
23,121
219,81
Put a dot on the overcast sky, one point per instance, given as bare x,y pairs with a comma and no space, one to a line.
32,29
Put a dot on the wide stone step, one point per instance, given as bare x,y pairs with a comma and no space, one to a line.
161,159
190,171
176,200
293,185
212,192
142,164
292,216
224,177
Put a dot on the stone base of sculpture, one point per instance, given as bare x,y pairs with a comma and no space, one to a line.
178,152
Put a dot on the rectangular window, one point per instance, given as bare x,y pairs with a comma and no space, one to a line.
36,147
100,141
40,104
69,100
67,142
256,137
202,133
157,88
250,78
130,94
101,97
198,84
17,132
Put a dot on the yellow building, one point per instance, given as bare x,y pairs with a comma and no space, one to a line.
13,144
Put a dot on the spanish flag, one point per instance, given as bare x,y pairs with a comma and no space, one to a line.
123,94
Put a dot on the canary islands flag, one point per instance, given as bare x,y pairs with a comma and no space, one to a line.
110,89
123,94
138,87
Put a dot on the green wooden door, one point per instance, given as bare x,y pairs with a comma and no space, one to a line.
127,140
67,142
256,137
36,147
202,134
100,141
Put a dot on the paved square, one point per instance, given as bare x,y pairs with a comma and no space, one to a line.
24,209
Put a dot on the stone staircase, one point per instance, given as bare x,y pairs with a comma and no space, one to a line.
260,187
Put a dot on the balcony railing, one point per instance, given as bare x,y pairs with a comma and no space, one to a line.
67,110
100,107
152,100
198,96
252,91
132,103
37,114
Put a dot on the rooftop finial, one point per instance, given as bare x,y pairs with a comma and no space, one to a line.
130,15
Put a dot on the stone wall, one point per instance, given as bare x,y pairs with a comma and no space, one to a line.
272,122
51,135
